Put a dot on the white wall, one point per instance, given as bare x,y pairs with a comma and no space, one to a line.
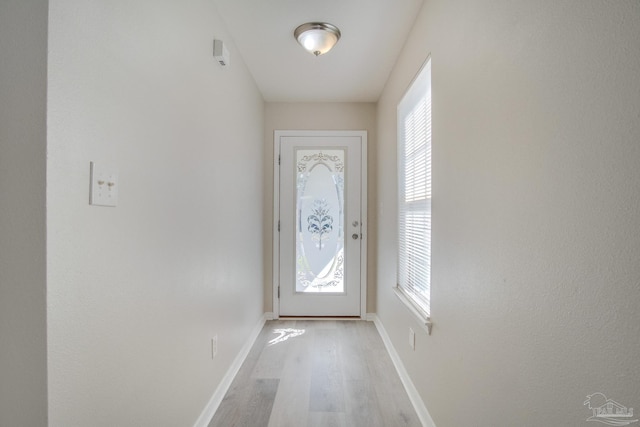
23,341
136,292
318,116
536,224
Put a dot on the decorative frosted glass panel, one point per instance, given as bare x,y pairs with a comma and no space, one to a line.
320,220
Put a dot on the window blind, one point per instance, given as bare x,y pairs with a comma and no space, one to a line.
414,191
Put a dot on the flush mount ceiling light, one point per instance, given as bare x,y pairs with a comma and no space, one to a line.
317,37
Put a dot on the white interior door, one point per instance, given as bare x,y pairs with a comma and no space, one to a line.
320,223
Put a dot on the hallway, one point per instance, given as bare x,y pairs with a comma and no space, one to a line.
110,315
317,373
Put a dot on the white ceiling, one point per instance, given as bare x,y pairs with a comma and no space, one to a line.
373,33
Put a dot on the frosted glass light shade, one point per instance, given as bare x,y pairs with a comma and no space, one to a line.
317,37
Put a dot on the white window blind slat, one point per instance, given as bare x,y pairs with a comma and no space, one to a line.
414,191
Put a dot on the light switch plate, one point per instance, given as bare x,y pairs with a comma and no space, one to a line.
104,186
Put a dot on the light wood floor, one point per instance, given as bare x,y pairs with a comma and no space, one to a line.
320,373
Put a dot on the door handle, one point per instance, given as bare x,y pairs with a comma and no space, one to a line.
354,236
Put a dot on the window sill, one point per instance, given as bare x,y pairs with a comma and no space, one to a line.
423,320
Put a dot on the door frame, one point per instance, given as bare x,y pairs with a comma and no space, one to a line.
276,210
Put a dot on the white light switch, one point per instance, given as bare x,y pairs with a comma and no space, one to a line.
104,186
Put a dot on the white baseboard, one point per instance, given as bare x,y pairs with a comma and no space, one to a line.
269,315
211,408
414,396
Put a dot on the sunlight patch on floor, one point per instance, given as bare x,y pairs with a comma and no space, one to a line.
285,334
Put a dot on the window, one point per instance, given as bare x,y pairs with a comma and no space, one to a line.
414,194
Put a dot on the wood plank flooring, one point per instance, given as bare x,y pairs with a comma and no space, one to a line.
317,373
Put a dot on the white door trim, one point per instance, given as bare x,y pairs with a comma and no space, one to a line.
276,210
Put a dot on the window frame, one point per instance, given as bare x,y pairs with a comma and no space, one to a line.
418,92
